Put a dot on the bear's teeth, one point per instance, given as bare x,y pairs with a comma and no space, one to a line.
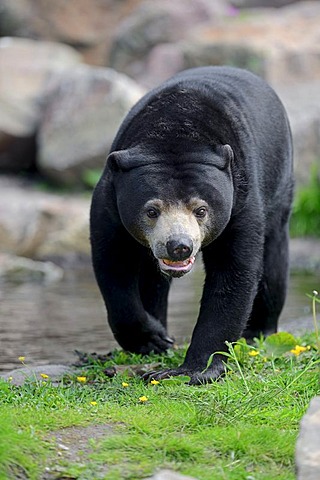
184,263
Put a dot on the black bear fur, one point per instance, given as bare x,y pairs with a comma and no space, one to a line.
170,145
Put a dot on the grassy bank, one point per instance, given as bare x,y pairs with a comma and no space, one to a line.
244,426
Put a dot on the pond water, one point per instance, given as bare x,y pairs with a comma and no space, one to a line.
46,323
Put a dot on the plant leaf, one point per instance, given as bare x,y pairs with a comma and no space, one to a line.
279,343
176,380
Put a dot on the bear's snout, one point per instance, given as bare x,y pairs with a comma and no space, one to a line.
179,247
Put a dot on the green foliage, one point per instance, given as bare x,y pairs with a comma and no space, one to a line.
279,343
305,219
244,426
91,176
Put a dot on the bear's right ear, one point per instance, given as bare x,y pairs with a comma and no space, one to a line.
119,161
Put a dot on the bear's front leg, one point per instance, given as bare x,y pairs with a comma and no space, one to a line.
117,261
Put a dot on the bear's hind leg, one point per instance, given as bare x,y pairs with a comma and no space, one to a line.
272,288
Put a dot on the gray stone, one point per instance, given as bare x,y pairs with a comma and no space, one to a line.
20,375
37,224
305,254
170,475
302,102
308,445
262,3
80,119
284,47
26,65
87,25
153,23
20,269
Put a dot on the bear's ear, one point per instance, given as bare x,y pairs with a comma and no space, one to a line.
225,154
228,154
125,160
119,161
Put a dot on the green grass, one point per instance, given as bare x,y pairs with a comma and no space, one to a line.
305,219
242,427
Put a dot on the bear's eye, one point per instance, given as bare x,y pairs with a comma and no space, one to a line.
200,212
153,213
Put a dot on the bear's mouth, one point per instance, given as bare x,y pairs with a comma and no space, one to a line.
176,269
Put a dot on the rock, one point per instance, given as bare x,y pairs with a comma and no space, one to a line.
20,269
308,445
285,48
262,3
20,375
153,23
302,103
25,67
305,254
80,120
170,475
85,24
37,224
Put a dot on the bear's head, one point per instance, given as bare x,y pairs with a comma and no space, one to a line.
172,202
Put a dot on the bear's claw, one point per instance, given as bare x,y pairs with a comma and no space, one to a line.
197,377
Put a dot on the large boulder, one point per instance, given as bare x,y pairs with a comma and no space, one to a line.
308,445
302,102
81,116
86,25
26,66
21,269
281,47
42,225
153,23
262,3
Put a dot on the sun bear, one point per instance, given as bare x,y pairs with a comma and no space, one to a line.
202,163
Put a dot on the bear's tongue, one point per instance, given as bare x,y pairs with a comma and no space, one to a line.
183,263
176,269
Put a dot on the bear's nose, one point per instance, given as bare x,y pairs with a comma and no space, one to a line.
179,248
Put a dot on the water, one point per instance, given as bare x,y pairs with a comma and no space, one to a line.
46,323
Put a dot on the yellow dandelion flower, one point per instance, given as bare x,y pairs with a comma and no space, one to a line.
82,379
44,375
21,359
10,379
299,349
143,399
154,382
93,403
253,353
125,384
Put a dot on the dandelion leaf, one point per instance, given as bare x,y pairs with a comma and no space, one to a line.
176,380
279,343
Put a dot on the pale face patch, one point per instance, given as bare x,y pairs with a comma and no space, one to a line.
175,232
